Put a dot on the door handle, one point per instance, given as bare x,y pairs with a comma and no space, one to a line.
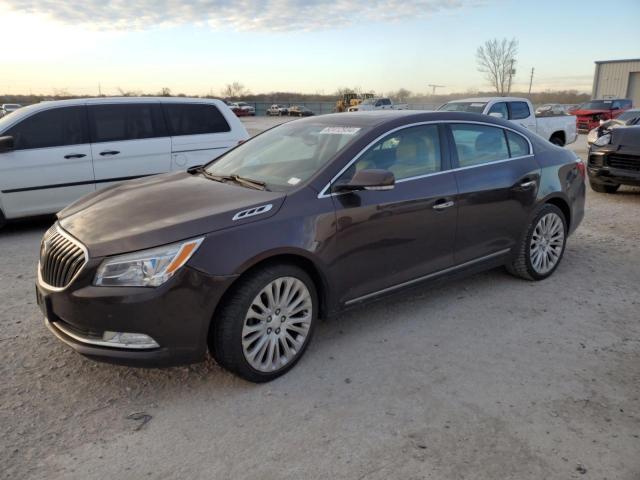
440,205
75,155
528,184
109,152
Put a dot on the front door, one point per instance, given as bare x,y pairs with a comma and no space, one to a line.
129,140
385,238
50,166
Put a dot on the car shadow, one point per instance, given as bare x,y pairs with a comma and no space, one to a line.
28,225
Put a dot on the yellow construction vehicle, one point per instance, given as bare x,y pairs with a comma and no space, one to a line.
351,100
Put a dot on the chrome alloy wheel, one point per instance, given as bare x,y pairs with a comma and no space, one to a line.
547,243
277,324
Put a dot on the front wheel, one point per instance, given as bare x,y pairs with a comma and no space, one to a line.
542,247
265,325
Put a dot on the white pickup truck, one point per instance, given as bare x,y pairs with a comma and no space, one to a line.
380,103
559,130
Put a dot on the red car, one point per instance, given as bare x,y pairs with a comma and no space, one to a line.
588,115
239,111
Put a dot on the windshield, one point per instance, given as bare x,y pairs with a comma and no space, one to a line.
472,107
628,115
11,105
287,155
596,105
369,101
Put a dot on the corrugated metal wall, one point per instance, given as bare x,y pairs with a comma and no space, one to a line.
612,80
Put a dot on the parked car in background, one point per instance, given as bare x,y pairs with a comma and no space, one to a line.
250,109
300,111
277,110
589,114
559,130
614,159
235,108
340,209
7,108
551,109
625,119
52,153
378,103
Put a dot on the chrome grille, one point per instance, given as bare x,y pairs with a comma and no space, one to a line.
61,258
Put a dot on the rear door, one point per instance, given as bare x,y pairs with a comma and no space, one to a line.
199,133
520,113
385,238
129,140
50,165
498,179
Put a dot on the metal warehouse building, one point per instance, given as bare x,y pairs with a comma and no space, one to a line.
617,79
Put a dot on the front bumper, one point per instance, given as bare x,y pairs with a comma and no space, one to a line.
613,176
176,315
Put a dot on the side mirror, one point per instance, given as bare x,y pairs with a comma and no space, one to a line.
372,179
496,114
6,144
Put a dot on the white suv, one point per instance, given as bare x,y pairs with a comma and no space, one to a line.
52,153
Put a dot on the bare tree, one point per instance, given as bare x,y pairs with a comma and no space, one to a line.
401,95
496,59
235,89
165,92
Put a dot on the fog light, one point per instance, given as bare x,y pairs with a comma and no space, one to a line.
129,340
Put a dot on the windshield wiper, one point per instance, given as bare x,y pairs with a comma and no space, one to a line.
244,181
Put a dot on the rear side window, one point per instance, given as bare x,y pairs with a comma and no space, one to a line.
112,123
519,110
194,119
500,108
518,146
479,144
52,128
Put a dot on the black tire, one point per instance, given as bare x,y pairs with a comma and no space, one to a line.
521,265
225,338
3,221
557,141
601,188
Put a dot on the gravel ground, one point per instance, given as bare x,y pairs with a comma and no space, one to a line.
490,377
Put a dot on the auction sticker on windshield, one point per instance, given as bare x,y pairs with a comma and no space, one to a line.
339,131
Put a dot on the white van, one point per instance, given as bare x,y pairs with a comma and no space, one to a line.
52,153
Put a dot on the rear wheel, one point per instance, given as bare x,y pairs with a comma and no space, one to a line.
542,248
556,140
264,327
601,188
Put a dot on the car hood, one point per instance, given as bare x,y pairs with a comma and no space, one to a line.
162,209
578,113
626,138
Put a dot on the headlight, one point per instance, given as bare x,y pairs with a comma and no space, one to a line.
592,136
147,268
603,140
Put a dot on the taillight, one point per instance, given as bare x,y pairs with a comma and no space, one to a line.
581,168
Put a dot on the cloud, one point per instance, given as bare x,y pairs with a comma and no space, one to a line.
242,15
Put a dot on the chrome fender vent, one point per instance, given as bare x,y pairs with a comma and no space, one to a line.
250,212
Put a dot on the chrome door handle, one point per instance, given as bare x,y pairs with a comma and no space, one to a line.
530,183
443,205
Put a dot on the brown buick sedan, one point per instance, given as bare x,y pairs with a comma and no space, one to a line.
241,257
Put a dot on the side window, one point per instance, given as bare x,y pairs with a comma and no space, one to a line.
386,101
499,108
518,146
410,152
52,128
194,119
479,144
519,110
117,122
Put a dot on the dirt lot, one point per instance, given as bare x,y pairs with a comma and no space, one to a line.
486,378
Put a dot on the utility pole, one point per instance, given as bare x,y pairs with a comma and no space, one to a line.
433,88
99,90
531,80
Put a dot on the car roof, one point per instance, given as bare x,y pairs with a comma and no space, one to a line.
488,99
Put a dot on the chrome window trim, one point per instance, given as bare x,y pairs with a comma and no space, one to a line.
76,242
324,193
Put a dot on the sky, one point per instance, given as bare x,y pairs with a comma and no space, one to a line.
313,46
